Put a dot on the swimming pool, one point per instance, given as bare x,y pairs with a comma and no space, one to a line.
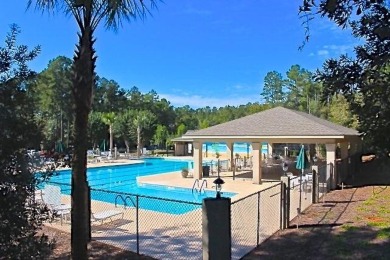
108,183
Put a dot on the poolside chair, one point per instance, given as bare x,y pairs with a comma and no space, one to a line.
38,196
52,199
106,214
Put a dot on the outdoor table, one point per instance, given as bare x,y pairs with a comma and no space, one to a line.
63,211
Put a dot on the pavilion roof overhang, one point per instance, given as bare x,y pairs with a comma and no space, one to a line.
276,125
272,139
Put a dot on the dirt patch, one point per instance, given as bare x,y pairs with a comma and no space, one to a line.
96,250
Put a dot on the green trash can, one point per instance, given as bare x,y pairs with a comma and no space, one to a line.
206,171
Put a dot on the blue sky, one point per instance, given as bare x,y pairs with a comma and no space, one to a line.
192,52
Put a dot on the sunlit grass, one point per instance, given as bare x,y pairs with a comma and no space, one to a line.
369,202
384,234
378,224
376,213
349,227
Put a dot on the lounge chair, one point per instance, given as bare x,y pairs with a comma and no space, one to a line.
52,199
38,196
106,214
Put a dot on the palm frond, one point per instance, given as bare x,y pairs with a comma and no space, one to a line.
115,12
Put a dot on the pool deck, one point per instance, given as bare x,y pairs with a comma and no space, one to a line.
242,186
157,228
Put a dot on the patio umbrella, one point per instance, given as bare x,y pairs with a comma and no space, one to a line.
103,145
59,147
302,164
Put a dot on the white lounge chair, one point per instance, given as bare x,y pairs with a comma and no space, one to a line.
52,198
106,214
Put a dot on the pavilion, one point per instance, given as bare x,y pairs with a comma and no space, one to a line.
276,125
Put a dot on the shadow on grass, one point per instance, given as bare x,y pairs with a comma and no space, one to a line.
348,243
316,225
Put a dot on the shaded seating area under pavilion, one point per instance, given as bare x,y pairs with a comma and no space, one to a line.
276,125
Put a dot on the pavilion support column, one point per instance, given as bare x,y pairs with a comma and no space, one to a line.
256,151
343,174
229,153
270,148
330,169
197,148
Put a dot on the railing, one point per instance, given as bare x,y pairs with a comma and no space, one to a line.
197,188
124,201
204,182
196,182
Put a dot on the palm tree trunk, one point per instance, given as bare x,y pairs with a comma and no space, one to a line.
127,145
83,80
111,140
138,141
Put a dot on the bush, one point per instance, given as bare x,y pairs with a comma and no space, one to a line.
184,172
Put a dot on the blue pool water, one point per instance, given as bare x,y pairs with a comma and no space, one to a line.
118,184
237,148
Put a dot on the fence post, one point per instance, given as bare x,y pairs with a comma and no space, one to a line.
332,174
285,202
216,228
137,221
258,218
315,194
89,214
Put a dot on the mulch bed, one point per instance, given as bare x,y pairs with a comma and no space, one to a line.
96,250
335,228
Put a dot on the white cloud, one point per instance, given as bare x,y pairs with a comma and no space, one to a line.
197,101
334,50
339,49
323,53
238,86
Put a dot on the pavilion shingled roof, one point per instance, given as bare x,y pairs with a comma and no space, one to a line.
277,121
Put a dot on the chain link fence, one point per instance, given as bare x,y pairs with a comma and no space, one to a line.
323,181
255,218
157,227
301,194
171,228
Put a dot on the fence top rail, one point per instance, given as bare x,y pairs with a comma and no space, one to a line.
258,192
58,183
147,197
133,194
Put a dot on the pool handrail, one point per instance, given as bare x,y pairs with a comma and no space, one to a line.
201,186
124,200
196,182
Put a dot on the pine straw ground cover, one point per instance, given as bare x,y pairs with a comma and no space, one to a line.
347,224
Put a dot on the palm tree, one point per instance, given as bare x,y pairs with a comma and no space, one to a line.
88,15
142,120
109,119
124,127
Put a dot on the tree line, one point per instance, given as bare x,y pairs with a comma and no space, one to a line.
130,119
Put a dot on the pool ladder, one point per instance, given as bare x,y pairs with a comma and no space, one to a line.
124,200
195,186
